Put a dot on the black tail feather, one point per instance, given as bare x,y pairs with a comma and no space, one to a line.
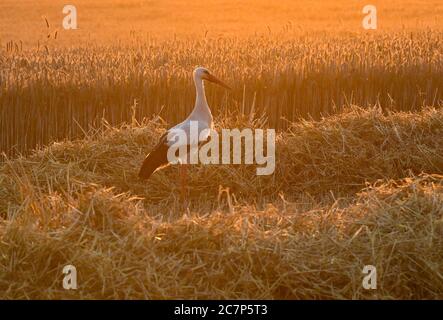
154,160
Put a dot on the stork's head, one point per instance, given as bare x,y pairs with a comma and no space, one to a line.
201,73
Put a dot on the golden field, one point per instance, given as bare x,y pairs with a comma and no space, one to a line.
112,20
285,61
359,150
350,190
51,96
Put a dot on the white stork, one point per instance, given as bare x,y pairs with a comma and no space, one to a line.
157,158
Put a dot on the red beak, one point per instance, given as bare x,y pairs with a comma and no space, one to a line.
214,79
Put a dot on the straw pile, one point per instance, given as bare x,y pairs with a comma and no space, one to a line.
360,188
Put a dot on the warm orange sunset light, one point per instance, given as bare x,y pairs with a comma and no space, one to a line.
221,150
110,20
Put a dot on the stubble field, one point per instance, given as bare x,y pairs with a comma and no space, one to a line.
359,151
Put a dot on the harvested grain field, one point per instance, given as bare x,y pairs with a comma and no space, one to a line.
305,232
358,177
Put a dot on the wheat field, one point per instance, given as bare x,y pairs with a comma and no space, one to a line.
284,79
359,150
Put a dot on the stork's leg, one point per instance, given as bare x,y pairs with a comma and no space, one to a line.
183,184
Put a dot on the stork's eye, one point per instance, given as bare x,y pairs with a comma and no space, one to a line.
206,71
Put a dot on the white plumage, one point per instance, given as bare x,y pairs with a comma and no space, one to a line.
201,113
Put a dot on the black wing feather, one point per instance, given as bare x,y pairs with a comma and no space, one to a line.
157,158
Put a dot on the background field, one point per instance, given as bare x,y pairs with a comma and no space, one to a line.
110,20
359,150
284,61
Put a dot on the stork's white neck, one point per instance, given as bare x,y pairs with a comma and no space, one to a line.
201,109
200,99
